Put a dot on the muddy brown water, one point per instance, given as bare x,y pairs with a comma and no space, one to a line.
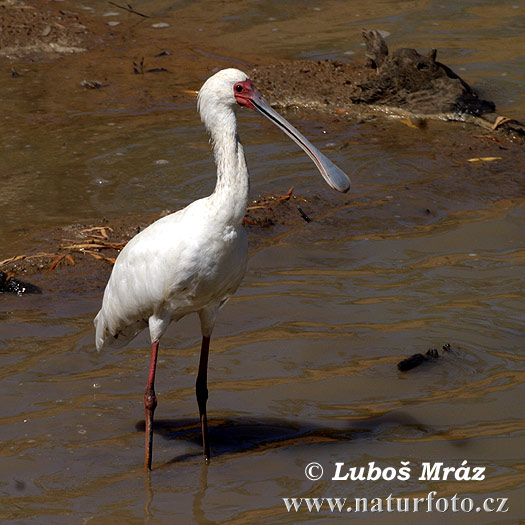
427,249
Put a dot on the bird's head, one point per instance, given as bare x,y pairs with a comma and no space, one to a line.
230,88
221,91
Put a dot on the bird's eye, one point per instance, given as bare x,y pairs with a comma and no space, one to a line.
238,88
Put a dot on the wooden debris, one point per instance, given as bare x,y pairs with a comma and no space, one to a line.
266,202
100,245
129,9
499,121
489,137
303,215
417,359
97,240
61,257
483,159
100,257
102,229
21,257
91,84
138,69
57,259
416,123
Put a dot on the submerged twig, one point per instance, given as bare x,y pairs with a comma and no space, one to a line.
138,69
129,9
303,215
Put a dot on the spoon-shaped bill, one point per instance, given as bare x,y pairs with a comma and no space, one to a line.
335,177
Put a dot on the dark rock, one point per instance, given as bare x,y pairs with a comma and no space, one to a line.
8,284
418,359
416,82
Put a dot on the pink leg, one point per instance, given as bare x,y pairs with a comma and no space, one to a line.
201,389
150,403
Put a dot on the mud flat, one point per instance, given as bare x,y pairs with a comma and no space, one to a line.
401,84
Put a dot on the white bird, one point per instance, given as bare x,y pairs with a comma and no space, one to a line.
194,260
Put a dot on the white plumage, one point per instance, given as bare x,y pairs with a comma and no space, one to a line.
194,260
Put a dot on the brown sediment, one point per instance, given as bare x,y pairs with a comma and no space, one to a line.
46,27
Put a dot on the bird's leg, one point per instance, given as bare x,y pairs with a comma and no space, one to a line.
150,403
201,388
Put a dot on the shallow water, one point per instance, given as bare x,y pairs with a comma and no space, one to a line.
303,363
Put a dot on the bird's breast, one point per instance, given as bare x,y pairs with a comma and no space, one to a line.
213,268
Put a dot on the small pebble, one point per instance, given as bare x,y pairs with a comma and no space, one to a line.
100,182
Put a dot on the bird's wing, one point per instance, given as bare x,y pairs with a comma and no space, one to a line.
179,264
142,273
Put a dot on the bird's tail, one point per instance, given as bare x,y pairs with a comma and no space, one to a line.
100,330
104,337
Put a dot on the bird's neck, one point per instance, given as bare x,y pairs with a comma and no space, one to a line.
230,197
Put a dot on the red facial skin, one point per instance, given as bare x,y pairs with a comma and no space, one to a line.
244,93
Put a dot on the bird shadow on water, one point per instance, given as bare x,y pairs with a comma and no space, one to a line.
232,437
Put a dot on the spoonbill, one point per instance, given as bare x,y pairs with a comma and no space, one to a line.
194,260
